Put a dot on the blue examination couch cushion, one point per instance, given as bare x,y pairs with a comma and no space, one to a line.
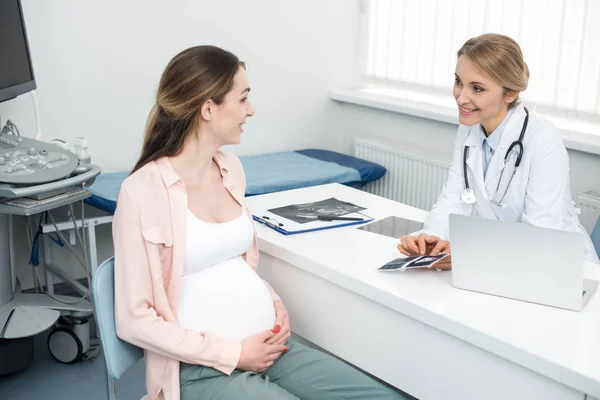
105,191
267,173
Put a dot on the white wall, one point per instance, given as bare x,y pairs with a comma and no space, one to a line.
98,63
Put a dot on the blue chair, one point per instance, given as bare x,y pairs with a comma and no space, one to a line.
596,237
119,355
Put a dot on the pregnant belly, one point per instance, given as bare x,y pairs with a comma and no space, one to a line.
228,299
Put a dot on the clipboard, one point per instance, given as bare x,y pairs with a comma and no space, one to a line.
314,216
288,227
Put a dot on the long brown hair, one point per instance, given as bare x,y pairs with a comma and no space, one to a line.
192,77
501,57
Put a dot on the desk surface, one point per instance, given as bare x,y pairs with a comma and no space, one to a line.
560,344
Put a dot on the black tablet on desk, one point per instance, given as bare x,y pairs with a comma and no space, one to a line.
393,226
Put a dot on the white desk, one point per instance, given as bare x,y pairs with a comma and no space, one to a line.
413,329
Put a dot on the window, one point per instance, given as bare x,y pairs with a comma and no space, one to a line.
412,45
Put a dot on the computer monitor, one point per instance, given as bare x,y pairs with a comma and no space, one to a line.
16,71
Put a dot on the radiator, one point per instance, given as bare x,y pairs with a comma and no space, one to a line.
411,178
589,204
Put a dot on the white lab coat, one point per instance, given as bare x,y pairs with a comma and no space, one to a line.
539,194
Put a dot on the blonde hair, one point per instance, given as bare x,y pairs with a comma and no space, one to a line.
500,57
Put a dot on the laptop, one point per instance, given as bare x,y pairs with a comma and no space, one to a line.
519,261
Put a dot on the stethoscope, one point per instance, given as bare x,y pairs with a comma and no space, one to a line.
467,196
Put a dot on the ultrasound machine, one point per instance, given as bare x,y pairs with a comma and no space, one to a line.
35,177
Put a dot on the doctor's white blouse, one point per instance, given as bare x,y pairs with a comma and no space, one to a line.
539,193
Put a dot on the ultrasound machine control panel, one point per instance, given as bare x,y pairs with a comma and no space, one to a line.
25,161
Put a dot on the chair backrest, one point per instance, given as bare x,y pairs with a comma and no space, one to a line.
596,237
119,355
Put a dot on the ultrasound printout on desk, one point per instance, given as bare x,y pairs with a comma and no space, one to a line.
393,226
307,212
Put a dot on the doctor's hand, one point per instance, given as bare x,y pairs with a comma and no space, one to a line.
422,245
444,264
281,330
425,244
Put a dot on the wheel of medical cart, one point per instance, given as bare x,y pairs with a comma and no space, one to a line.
64,345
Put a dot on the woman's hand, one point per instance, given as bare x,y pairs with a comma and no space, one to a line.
281,330
425,244
257,355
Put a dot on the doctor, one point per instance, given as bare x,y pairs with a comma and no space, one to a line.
508,164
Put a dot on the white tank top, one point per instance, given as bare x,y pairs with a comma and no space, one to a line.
220,292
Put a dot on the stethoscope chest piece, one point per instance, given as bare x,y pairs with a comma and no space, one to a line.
467,196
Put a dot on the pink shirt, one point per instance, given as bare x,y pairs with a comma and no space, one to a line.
149,234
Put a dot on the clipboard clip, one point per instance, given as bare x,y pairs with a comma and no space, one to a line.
267,221
274,222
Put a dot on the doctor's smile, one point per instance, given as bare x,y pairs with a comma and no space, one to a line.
467,111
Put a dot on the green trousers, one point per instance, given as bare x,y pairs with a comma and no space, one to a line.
301,373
